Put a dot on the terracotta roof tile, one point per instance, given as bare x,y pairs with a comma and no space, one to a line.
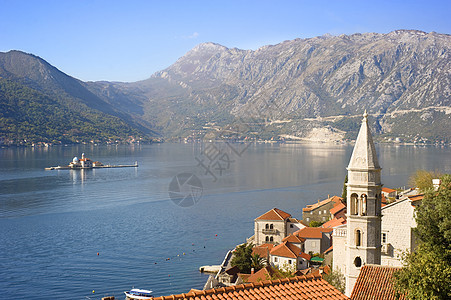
312,232
416,197
293,239
337,208
388,190
310,207
286,249
262,250
375,282
334,222
300,287
274,214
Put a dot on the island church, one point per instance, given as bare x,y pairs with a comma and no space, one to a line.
359,241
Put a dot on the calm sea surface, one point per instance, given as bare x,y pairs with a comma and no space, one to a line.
67,233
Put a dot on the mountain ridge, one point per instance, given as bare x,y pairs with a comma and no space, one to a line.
291,88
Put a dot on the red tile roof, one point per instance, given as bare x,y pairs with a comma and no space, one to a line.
274,214
388,190
286,249
262,250
312,232
310,207
310,286
416,197
293,239
334,222
337,208
375,282
264,274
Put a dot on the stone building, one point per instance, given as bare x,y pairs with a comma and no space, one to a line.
272,227
397,235
320,212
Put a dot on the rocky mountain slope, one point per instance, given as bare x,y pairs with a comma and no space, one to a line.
399,77
314,88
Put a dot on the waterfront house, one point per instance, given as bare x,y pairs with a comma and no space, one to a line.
272,227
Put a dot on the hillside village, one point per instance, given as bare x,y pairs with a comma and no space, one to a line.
361,237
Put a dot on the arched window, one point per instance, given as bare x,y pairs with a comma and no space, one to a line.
267,238
354,204
363,199
271,239
358,262
358,237
271,226
267,226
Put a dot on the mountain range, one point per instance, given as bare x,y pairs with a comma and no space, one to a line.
315,89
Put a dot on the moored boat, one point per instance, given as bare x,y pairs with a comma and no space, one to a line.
138,294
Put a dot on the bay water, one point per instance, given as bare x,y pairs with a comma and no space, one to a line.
85,234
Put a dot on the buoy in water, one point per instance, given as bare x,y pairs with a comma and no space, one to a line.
98,253
93,291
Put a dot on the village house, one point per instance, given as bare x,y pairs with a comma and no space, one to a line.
273,226
389,193
289,257
317,239
320,212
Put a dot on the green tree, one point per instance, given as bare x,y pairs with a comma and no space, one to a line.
315,224
345,190
337,279
427,271
242,257
422,179
257,262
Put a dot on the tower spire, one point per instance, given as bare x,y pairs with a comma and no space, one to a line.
364,156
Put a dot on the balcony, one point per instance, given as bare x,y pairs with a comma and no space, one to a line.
269,231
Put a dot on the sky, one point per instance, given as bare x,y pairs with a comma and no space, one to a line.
130,40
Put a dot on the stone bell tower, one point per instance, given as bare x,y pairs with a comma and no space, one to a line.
363,241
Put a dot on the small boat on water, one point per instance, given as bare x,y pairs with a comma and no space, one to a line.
138,294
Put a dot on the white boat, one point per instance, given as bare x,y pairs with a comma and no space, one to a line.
138,294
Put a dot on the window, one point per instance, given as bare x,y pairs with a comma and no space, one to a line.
275,259
267,238
291,226
271,226
358,262
324,219
354,204
357,237
289,261
319,212
384,238
271,239
308,219
324,212
267,226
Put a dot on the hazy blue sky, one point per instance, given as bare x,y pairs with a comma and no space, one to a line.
130,40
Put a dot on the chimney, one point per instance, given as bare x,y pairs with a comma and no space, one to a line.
252,271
